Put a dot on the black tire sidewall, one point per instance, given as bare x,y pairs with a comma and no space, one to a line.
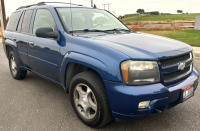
17,74
95,120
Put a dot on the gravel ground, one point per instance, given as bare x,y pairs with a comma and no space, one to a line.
35,104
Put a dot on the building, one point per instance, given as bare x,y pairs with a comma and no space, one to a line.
197,23
153,13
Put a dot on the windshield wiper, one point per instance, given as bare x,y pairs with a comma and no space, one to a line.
118,29
104,31
88,30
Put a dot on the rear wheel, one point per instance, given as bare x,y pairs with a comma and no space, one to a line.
89,99
16,72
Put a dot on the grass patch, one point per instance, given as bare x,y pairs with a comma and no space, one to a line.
191,37
164,17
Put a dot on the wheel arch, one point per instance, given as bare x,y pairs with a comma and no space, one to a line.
75,63
73,69
8,49
10,45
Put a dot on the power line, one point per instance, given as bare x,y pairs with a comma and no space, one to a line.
98,2
87,0
113,12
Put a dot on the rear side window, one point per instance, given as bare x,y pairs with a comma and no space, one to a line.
20,23
43,18
26,21
12,21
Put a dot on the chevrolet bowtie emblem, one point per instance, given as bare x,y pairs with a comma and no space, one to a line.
181,66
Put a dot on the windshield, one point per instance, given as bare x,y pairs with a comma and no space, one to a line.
89,19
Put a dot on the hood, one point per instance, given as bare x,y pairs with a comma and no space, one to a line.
142,46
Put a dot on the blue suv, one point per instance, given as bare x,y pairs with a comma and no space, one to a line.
108,70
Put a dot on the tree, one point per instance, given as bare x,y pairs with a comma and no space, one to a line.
179,11
140,11
120,17
156,13
7,19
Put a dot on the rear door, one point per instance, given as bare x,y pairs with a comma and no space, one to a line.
8,33
21,35
44,53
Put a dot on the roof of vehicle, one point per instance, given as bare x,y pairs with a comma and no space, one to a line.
51,4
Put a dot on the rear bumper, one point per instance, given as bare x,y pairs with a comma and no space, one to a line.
124,99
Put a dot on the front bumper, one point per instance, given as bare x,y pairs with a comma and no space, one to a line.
124,99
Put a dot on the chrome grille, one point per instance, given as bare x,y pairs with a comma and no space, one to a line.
177,75
175,60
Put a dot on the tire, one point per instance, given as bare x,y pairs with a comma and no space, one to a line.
15,71
98,95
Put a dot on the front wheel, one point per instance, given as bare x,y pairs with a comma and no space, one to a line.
89,99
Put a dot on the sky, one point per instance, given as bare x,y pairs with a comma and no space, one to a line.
121,7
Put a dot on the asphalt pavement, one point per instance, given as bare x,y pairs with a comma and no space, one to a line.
35,104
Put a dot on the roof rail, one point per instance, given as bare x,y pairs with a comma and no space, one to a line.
30,6
59,3
43,3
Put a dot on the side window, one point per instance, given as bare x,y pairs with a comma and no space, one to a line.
43,18
20,23
26,21
12,21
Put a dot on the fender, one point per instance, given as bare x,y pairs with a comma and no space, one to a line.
93,63
13,45
10,43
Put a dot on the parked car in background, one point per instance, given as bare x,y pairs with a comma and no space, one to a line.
108,70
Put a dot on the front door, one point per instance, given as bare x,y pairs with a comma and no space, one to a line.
44,53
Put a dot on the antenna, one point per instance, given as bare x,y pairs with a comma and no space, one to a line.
71,16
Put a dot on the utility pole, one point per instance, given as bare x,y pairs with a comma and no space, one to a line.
106,4
91,3
3,16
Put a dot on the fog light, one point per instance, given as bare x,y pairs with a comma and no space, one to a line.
143,104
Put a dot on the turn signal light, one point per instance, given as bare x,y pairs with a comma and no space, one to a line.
124,68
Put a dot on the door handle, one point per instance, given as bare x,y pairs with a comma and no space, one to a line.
14,39
31,44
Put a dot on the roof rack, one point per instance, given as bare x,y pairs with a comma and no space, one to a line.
43,3
59,3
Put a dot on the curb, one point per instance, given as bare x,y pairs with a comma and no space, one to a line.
197,55
196,51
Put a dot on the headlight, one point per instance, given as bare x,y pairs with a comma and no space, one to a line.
140,72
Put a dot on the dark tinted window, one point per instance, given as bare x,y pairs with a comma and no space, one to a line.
20,23
12,21
26,21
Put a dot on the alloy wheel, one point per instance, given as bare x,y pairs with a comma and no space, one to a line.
85,101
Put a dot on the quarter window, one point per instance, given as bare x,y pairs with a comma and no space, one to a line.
43,18
12,21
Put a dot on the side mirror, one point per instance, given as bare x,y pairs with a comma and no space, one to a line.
46,32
